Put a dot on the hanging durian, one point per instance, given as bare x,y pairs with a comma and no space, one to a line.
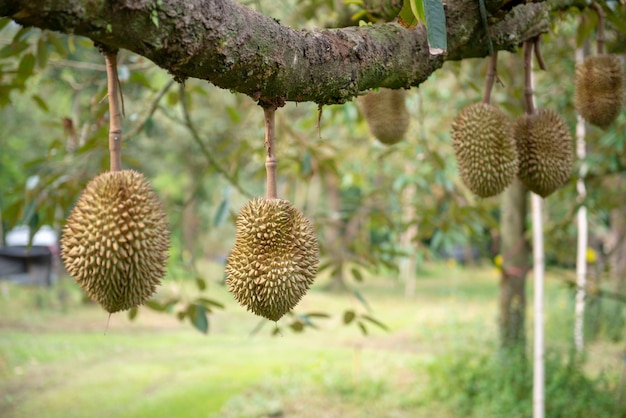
275,256
386,114
274,259
599,89
483,144
545,148
115,241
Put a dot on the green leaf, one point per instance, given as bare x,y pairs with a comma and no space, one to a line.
3,22
27,64
140,78
198,317
209,302
361,299
297,326
58,45
40,102
436,26
417,7
356,274
42,53
132,313
348,316
233,113
363,327
155,306
585,28
200,283
173,97
375,322
317,315
406,17
222,212
14,48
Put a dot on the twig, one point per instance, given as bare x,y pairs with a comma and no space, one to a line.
115,125
538,55
153,108
205,150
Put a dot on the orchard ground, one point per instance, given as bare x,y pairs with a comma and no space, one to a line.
56,360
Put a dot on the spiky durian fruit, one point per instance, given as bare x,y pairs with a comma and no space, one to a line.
483,144
599,89
115,242
545,149
386,114
274,259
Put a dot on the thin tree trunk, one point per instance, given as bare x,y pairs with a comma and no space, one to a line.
334,232
408,264
515,254
581,256
538,346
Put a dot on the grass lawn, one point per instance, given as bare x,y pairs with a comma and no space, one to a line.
57,361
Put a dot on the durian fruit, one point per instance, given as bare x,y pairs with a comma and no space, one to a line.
545,148
274,259
483,144
115,242
386,114
599,89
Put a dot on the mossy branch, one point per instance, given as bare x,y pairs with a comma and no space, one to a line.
236,48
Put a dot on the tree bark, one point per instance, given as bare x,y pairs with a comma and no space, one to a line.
236,48
515,253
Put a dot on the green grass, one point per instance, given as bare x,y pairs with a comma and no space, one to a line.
57,361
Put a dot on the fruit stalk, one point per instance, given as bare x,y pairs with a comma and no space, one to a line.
271,162
600,38
490,78
528,77
115,125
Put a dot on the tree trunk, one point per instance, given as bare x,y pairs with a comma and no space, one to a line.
515,253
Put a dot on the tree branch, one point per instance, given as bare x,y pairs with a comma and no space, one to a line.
237,48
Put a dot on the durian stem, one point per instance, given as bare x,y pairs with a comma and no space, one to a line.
271,162
600,38
490,78
528,77
115,125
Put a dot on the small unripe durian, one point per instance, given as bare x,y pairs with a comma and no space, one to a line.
274,259
115,242
386,114
545,149
483,144
599,89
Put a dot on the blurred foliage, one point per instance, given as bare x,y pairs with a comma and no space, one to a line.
203,150
487,385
